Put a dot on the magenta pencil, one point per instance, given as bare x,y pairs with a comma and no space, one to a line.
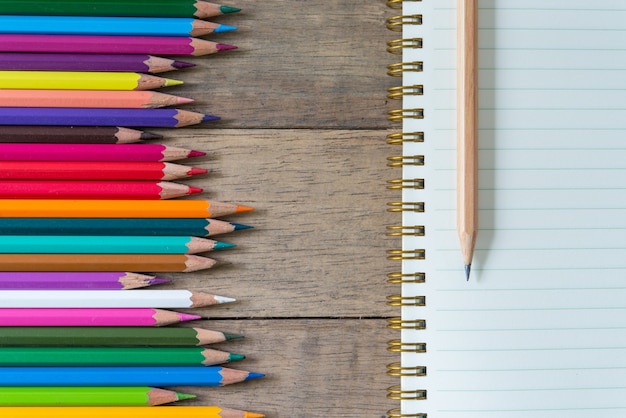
93,152
72,280
92,317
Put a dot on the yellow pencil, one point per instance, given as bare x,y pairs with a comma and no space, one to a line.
77,80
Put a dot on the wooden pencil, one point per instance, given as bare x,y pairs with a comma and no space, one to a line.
126,412
113,356
167,8
89,396
93,152
107,170
89,99
93,189
103,44
67,280
162,118
156,263
117,26
118,226
82,80
73,135
115,244
95,208
136,63
124,376
111,336
467,129
91,317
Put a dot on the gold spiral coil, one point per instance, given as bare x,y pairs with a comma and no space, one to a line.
397,46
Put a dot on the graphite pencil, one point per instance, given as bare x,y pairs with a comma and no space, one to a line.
73,135
94,208
126,412
123,376
114,356
139,63
118,26
93,152
102,44
80,244
118,226
68,280
91,317
164,8
82,80
162,118
93,189
89,99
111,336
107,170
88,396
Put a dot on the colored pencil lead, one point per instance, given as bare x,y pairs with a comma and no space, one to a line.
183,64
224,28
195,153
225,47
183,396
149,135
169,82
229,9
195,171
240,227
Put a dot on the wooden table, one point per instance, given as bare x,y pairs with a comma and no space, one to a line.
302,139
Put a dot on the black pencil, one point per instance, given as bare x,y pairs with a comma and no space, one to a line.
73,135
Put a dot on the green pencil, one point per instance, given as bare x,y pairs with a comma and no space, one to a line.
111,336
113,356
88,396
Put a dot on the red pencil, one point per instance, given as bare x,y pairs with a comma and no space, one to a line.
108,170
60,189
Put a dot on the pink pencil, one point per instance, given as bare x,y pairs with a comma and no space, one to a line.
93,152
93,317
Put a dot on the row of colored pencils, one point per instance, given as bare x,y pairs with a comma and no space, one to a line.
88,212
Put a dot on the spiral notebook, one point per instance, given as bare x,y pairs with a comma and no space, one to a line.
539,330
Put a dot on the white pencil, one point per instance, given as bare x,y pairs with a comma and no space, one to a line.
108,299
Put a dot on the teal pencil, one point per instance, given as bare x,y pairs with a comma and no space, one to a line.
70,244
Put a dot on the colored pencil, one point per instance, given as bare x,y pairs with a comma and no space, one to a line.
162,118
108,170
79,244
105,262
123,376
50,208
89,99
69,280
103,44
119,26
93,189
119,226
171,298
114,356
73,135
125,412
91,317
93,152
88,396
111,336
165,8
139,63
82,80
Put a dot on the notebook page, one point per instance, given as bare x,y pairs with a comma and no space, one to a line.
540,328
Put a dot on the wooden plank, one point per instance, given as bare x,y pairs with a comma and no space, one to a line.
314,368
319,243
301,64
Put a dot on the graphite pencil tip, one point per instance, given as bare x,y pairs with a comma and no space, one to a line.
183,64
468,269
240,227
224,47
229,9
150,135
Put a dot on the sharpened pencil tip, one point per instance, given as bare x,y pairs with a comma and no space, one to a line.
236,357
224,299
468,269
150,135
224,47
209,118
183,64
195,190
253,375
223,245
169,82
230,336
240,227
182,396
224,28
229,9
195,171
158,280
188,317
194,153
183,100
241,208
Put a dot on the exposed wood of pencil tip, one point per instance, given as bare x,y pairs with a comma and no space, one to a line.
467,128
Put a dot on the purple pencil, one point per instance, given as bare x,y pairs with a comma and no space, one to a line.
164,118
89,62
89,44
76,280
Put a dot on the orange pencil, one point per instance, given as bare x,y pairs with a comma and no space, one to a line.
89,98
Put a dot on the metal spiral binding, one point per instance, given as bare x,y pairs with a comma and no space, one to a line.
397,69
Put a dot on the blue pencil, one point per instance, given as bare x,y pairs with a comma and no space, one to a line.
89,25
123,376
